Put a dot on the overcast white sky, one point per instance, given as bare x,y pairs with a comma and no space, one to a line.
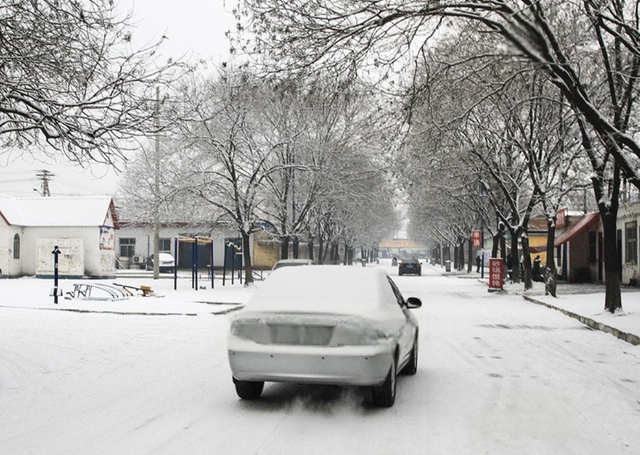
195,29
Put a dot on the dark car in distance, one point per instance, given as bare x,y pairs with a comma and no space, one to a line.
409,266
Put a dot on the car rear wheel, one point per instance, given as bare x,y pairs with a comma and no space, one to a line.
248,390
412,365
385,395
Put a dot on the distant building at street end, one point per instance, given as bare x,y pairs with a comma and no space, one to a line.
402,248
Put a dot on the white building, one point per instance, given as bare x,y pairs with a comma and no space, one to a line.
134,243
83,227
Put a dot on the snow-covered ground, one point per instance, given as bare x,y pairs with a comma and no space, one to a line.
145,375
588,301
34,293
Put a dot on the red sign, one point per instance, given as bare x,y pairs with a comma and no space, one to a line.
476,236
560,218
496,273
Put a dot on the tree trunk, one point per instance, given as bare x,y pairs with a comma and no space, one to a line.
321,251
513,257
526,262
335,253
310,248
296,247
284,247
246,257
496,245
551,274
608,215
470,252
613,296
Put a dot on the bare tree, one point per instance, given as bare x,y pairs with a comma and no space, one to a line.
69,81
557,37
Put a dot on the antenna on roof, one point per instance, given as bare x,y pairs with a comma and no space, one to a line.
44,175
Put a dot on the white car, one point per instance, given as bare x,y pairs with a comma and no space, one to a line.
167,262
338,325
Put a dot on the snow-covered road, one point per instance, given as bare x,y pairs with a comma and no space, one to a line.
497,375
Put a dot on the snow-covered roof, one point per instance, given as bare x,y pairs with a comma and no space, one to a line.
323,289
77,211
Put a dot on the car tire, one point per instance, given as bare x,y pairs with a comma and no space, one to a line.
385,395
412,365
248,390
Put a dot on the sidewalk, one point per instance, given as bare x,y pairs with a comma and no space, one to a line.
584,302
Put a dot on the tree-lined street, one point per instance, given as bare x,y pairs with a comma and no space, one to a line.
496,375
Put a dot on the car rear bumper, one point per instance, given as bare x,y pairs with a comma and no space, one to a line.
347,366
410,271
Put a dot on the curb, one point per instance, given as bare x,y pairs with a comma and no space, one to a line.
624,336
125,313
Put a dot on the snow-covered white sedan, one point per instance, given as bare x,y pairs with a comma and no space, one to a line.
337,325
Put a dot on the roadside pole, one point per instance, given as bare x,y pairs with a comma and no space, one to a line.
55,253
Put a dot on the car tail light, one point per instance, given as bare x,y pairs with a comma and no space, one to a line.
251,329
359,331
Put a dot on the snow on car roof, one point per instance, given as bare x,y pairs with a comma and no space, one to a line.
324,289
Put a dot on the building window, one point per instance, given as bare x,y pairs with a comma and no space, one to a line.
631,242
16,246
165,246
127,247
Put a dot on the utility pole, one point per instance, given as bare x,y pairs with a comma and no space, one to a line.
44,175
156,188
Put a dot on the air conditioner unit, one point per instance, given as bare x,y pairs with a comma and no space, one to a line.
138,258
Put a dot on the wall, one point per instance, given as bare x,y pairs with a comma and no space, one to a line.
265,254
627,214
538,240
8,265
96,262
579,269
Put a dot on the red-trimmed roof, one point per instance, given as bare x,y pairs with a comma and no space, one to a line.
577,228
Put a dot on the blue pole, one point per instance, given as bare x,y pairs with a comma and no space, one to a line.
212,273
224,264
175,266
195,263
233,262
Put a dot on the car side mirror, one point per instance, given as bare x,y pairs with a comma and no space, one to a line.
414,302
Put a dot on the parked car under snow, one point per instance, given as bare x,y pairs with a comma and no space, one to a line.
335,325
